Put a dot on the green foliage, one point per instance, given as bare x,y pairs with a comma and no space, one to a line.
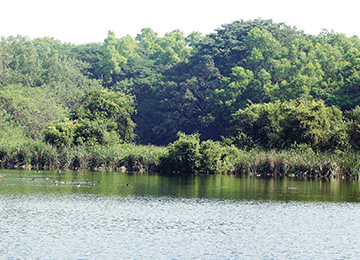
210,157
229,97
90,54
110,65
98,131
102,117
283,124
39,62
30,108
60,133
339,58
184,103
110,110
217,158
188,155
39,80
194,83
39,155
19,63
28,154
353,128
183,155
11,134
188,83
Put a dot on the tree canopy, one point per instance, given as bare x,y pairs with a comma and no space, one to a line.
101,117
256,82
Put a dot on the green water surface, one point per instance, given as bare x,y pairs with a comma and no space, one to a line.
196,186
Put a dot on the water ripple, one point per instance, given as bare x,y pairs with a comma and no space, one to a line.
117,227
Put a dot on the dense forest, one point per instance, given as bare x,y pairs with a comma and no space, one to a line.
248,85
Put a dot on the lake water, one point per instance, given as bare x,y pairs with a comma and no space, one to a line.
140,216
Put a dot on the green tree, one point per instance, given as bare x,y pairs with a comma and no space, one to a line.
111,111
31,108
11,133
283,124
19,63
111,64
353,128
194,38
99,131
148,41
91,54
184,154
183,102
61,133
229,98
174,49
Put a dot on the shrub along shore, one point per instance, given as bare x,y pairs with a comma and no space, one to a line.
185,156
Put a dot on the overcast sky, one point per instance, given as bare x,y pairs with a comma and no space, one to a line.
83,21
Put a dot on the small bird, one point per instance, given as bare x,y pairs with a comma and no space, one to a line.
78,185
128,184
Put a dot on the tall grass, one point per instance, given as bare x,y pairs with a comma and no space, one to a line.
29,154
40,155
290,162
213,158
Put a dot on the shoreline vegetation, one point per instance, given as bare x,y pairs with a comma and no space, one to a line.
253,97
182,158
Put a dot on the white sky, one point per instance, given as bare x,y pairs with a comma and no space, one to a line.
83,21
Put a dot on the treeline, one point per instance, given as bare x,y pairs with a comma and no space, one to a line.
250,84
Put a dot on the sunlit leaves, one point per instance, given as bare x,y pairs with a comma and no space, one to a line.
111,111
283,124
30,108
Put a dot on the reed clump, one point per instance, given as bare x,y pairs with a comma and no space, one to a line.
185,156
121,157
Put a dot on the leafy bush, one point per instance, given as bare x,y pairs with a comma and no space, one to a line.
217,157
102,117
60,133
183,155
110,110
284,124
353,128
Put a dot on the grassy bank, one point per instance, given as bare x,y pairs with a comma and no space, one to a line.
181,157
40,155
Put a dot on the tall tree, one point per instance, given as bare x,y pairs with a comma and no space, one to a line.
112,111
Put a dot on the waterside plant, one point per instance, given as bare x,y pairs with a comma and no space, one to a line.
187,155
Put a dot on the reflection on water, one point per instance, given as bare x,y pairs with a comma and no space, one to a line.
156,217
203,186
